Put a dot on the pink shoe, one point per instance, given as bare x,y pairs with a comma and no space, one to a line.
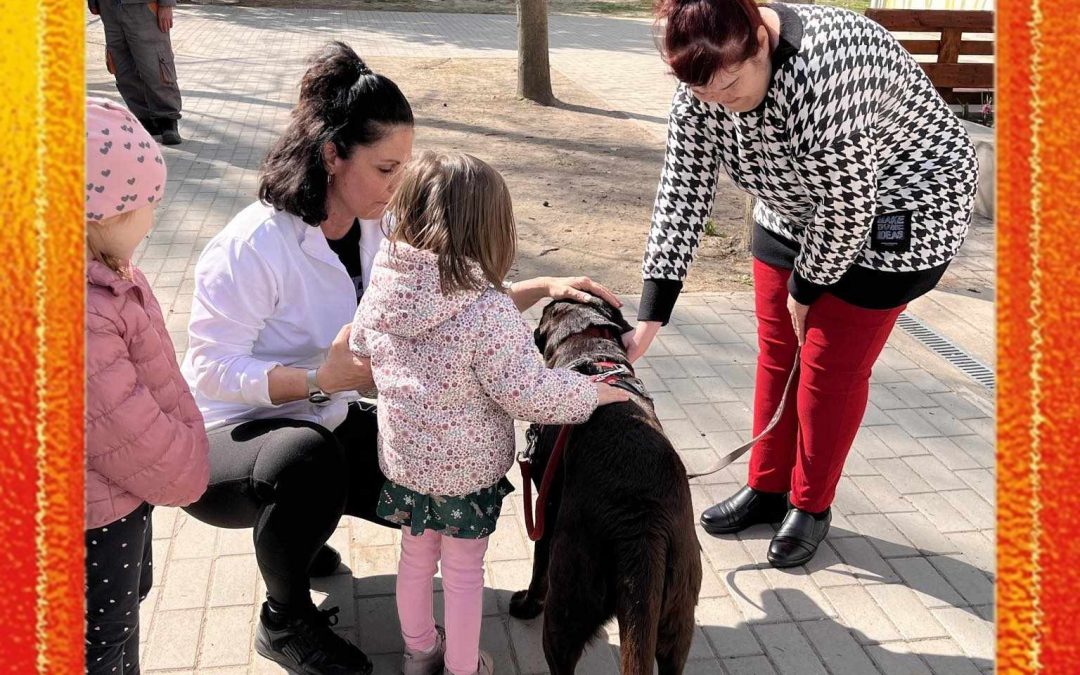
426,663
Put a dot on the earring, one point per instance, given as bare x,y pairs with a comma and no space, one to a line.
329,178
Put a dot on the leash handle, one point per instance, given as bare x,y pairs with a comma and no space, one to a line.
741,450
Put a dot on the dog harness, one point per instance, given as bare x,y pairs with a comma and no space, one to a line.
615,374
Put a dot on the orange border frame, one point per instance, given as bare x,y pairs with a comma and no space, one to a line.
41,336
1038,315
41,329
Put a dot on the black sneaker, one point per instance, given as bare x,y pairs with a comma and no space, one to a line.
305,643
169,133
151,126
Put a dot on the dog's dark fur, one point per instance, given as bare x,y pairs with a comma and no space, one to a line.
620,538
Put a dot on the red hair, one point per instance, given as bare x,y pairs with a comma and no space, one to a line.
701,37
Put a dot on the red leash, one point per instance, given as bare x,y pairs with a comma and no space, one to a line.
535,531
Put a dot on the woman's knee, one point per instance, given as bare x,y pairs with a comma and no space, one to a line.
307,458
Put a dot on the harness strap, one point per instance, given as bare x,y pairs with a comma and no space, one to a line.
617,375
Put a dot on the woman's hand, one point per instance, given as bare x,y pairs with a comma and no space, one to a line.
605,394
343,370
798,312
528,292
638,340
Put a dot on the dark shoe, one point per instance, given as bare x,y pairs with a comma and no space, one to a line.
169,133
305,643
744,508
798,538
325,563
150,125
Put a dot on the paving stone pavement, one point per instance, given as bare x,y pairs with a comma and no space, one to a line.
904,583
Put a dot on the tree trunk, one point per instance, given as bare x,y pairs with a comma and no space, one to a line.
534,71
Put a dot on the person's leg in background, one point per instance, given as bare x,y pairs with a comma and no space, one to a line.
116,555
763,499
155,63
121,63
463,590
842,343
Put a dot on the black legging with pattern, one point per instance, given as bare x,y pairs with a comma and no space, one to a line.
291,481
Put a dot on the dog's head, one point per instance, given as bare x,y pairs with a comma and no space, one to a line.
570,330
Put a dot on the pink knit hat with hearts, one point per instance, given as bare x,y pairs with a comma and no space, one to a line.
124,167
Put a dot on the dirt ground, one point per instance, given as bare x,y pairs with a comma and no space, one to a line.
637,8
582,178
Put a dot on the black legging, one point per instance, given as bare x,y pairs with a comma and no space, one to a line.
291,481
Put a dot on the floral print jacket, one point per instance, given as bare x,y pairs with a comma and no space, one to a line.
453,372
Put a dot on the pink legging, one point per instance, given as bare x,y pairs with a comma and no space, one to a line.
463,591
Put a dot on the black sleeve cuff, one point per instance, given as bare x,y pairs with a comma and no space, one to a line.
805,292
658,298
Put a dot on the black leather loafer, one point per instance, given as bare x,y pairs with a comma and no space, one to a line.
798,538
744,508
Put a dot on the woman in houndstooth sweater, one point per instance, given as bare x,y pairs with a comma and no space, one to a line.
865,183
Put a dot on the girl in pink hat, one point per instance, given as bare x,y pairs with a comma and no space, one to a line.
145,441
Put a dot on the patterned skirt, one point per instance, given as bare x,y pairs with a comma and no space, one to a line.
472,516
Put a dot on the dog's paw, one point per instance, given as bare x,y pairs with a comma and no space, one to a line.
524,607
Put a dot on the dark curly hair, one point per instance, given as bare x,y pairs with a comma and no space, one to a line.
341,101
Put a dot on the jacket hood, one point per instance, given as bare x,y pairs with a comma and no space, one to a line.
403,298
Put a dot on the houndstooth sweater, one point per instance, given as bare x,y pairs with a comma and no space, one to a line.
864,178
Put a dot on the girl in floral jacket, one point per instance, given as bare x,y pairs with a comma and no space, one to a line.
145,442
454,364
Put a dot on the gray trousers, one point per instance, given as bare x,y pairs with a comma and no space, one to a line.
140,56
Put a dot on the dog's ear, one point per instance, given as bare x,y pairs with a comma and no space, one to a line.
616,317
541,336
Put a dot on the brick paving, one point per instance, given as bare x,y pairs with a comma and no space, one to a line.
904,583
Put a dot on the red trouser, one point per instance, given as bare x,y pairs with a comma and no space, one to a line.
805,453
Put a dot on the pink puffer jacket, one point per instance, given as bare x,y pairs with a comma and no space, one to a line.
145,440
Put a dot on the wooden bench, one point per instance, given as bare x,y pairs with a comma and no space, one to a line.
958,83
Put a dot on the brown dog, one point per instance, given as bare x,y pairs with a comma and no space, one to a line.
620,537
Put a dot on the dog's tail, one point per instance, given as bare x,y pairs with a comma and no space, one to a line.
642,577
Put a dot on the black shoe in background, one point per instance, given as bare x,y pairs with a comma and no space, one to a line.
305,643
744,508
169,133
151,125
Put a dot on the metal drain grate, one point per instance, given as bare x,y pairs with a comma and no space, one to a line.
974,369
